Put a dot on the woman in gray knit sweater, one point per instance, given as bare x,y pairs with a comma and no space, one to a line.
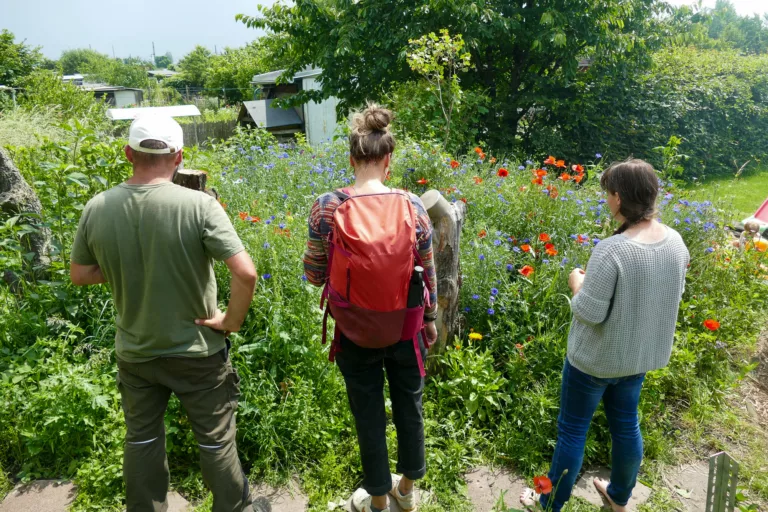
624,315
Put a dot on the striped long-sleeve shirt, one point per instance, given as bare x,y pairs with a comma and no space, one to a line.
321,230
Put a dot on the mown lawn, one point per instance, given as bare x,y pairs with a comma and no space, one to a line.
744,195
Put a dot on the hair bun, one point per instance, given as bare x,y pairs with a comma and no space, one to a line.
376,118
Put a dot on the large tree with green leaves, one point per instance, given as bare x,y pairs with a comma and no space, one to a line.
17,60
523,51
229,74
194,66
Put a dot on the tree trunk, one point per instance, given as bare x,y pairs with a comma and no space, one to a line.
188,178
18,198
447,220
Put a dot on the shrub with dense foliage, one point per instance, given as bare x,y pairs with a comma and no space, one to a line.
715,101
496,393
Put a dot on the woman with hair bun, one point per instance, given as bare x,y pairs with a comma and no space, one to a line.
370,246
624,316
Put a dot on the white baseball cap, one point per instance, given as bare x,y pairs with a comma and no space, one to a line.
154,127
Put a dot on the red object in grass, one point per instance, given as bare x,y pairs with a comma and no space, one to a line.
712,324
544,237
423,181
454,164
526,271
542,485
502,173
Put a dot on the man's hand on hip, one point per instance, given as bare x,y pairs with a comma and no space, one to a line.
219,322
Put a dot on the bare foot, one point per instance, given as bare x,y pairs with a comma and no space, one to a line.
602,487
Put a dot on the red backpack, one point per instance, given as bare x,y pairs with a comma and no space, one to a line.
371,259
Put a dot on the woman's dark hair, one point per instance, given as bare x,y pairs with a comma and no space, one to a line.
370,139
637,185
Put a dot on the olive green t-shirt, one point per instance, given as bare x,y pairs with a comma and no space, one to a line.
155,245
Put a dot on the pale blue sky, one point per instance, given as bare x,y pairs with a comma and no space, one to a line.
130,26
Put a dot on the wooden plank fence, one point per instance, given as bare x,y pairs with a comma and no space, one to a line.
204,131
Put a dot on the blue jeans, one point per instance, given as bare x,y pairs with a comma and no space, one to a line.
580,396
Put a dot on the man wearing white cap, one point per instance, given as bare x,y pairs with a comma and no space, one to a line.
154,242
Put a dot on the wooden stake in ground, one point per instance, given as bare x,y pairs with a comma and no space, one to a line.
447,220
188,178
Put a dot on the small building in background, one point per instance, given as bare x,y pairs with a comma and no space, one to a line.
116,95
76,79
316,119
161,74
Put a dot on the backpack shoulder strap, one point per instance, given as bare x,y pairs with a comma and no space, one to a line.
341,194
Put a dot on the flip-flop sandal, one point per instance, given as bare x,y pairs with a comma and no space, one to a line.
529,499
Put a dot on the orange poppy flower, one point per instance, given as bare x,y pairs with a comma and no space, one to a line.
541,173
551,251
482,234
464,200
255,219
481,155
553,193
243,215
454,164
565,177
478,180
526,271
560,164
578,178
544,237
711,324
542,485
502,173
581,239
525,248
478,150
493,160
518,346
423,181
577,168
537,181
550,161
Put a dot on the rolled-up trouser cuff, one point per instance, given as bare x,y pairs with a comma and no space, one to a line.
379,490
411,474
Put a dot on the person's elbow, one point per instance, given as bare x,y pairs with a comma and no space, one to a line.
589,311
242,268
79,274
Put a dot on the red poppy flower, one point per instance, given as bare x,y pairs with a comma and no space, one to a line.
549,246
482,234
478,180
537,181
423,181
526,271
560,164
243,215
255,219
454,164
578,178
525,248
502,173
464,200
565,177
541,173
478,150
544,237
550,161
551,251
712,324
577,168
542,485
481,155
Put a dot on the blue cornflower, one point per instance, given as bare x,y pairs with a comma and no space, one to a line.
510,267
482,257
281,225
709,250
564,262
516,249
676,221
266,276
266,245
521,167
527,241
497,242
467,309
688,220
491,311
475,297
669,196
223,173
529,162
285,196
595,241
494,291
303,277
709,226
598,155
546,262
570,193
268,221
676,209
583,214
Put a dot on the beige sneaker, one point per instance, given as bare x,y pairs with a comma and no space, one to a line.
407,503
361,501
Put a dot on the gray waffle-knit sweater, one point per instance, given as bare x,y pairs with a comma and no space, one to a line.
625,314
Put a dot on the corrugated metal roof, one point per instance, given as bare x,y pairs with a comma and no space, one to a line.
266,116
118,114
271,77
106,88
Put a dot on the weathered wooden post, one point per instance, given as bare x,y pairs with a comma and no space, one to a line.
447,220
188,178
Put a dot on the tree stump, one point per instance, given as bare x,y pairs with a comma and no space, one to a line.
18,198
447,220
188,178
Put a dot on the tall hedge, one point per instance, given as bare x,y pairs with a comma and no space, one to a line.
716,101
